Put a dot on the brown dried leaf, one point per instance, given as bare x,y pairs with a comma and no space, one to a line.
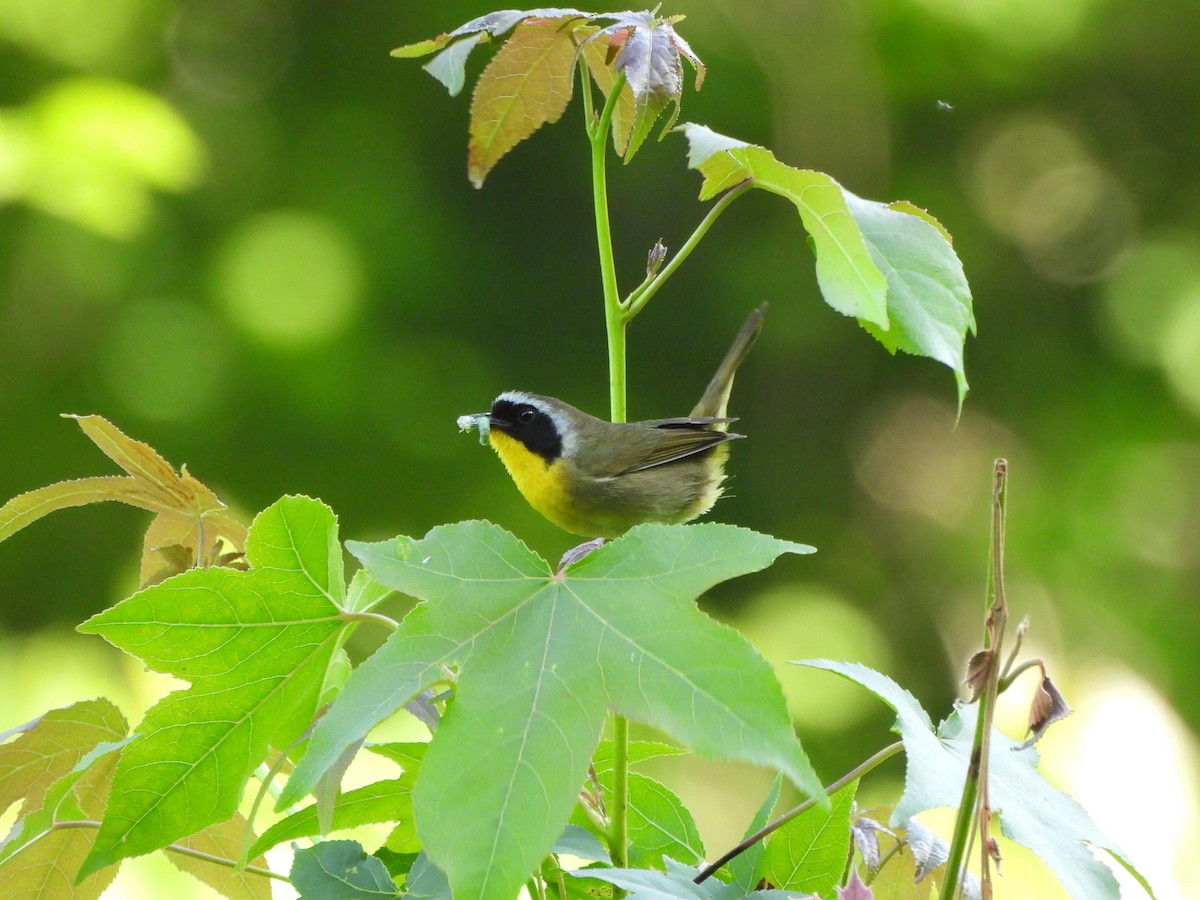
526,85
978,669
1047,707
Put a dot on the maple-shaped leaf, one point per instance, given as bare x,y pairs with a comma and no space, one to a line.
541,657
255,646
40,856
191,526
891,266
1032,813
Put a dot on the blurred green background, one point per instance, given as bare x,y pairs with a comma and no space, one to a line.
242,232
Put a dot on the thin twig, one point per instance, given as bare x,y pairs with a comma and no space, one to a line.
186,851
857,772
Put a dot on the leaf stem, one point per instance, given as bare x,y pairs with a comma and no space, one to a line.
974,810
378,618
186,851
641,295
857,772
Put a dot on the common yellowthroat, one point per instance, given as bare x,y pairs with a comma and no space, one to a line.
598,478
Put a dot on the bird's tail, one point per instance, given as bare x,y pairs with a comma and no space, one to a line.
715,401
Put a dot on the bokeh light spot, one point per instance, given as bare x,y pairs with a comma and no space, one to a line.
1017,25
229,50
83,33
1126,757
916,460
1180,351
1037,184
165,360
803,622
91,149
1155,278
290,278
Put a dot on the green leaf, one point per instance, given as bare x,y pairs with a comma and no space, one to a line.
745,868
340,870
255,646
541,658
426,881
659,825
929,301
1032,813
676,883
51,746
365,593
891,266
638,751
526,85
850,279
809,853
580,842
382,801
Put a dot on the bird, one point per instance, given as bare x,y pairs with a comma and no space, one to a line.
598,479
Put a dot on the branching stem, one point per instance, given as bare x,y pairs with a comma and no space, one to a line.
186,851
641,295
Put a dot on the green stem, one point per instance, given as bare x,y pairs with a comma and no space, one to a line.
614,322
614,319
647,289
857,772
378,618
187,851
973,808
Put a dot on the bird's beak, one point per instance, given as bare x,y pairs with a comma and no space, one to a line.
482,421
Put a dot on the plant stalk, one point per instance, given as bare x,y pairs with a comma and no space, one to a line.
614,323
974,809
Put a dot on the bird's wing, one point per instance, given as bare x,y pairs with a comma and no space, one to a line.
676,439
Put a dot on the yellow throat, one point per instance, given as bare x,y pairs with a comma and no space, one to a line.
543,484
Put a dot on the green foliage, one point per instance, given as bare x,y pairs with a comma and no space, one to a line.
808,854
343,870
541,656
1031,812
526,662
255,646
891,266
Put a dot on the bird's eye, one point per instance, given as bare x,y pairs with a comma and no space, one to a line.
526,416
